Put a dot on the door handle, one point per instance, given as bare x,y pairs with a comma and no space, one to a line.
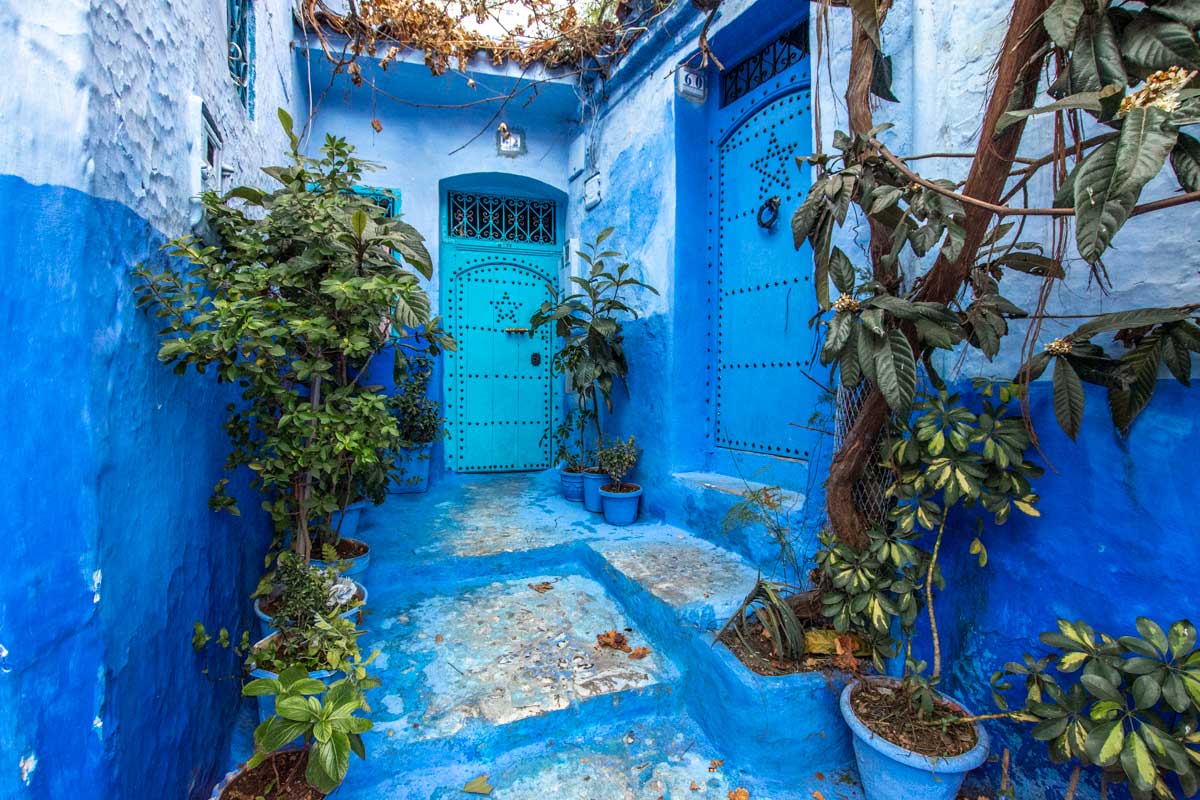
516,330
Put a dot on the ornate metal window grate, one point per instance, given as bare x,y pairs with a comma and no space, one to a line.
239,47
786,51
501,219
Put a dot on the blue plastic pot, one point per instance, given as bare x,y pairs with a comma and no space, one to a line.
621,508
592,481
415,462
355,567
229,776
890,772
266,619
572,485
348,518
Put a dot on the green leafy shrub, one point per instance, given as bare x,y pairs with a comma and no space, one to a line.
418,416
617,459
290,297
1127,705
589,320
326,716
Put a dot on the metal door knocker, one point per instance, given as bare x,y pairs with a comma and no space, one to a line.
768,213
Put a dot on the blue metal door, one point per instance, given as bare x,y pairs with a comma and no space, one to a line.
765,295
499,385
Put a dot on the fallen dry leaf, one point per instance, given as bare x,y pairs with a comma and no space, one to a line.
639,653
820,776
739,794
817,795
613,639
695,786
541,588
478,786
438,638
715,764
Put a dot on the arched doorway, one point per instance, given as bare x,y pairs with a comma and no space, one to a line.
764,297
501,247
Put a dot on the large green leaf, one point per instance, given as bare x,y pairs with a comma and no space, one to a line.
1087,101
841,270
1062,19
1151,43
1137,763
1068,397
1100,210
896,371
1134,318
1104,743
1185,11
1146,141
837,336
328,762
1185,160
1138,379
1096,56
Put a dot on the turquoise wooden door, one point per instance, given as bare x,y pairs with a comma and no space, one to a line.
764,293
499,390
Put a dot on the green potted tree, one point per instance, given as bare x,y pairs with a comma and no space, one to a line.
620,499
592,356
324,717
293,294
910,740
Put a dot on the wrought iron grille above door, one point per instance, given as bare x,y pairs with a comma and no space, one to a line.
498,218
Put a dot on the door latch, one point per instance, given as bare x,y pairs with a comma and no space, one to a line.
535,359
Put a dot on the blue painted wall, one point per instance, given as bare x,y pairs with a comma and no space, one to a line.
1117,539
109,458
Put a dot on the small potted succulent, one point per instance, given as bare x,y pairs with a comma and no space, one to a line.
323,716
300,592
420,420
620,499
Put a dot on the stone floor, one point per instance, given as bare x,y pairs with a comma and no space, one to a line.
487,595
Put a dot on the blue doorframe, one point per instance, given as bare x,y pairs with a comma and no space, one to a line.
501,244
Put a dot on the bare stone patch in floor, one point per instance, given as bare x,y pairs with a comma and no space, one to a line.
505,652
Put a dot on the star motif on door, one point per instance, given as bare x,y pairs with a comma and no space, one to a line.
774,165
506,308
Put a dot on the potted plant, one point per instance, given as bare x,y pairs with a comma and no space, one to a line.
1126,705
324,276
620,499
298,592
324,717
420,420
326,647
910,740
571,452
592,356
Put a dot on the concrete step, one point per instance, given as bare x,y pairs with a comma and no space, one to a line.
661,757
702,583
501,663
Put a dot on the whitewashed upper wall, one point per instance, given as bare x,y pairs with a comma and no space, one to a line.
96,97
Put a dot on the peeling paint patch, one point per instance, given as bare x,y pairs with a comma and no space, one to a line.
28,765
97,579
4,667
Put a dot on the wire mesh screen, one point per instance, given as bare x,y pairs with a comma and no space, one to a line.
870,493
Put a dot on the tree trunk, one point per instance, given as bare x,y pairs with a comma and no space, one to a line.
1017,74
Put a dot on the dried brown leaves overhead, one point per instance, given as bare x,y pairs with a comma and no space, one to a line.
451,33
